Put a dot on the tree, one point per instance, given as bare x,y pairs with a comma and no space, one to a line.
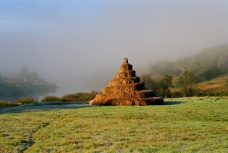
186,81
150,82
24,84
164,85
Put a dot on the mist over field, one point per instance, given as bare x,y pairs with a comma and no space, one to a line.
80,45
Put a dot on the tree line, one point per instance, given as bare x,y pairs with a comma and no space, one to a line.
24,84
177,78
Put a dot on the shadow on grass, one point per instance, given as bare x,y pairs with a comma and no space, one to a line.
172,102
57,105
43,107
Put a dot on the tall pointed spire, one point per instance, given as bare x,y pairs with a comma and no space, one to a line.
126,89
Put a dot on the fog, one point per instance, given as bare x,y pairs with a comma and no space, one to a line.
80,44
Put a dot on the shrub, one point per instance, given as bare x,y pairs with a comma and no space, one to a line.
25,100
80,97
4,104
50,99
176,94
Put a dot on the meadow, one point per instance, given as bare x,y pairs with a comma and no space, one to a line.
196,124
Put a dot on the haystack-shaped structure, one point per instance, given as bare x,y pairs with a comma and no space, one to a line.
126,89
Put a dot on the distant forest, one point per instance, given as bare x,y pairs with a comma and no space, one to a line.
167,77
24,84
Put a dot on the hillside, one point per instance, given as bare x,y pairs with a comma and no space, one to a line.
219,84
209,63
202,74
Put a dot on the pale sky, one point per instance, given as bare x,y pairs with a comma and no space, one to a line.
80,44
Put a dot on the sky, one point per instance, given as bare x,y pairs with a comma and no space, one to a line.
80,44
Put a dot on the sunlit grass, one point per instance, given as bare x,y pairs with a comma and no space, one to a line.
198,124
215,86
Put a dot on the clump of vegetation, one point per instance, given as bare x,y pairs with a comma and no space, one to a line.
25,100
79,97
5,104
50,99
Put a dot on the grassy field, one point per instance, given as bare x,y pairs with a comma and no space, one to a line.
219,84
198,124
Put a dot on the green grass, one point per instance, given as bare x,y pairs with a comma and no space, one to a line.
198,124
